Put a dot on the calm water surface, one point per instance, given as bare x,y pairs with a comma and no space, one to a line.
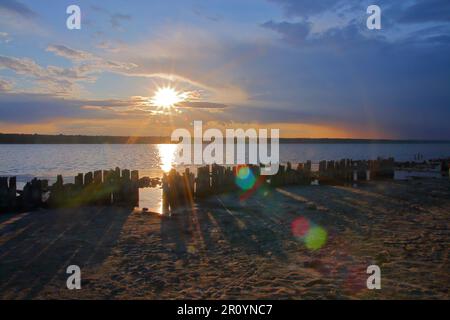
47,161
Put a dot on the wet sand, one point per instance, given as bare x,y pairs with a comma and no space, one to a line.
226,247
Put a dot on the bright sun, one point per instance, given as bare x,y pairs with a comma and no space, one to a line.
167,97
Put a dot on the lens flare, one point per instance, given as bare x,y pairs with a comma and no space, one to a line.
300,227
245,179
313,237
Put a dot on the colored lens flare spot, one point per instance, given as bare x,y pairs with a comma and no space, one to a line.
315,238
245,179
300,227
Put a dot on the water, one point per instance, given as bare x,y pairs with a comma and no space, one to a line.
47,161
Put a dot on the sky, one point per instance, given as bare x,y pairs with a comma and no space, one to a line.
309,68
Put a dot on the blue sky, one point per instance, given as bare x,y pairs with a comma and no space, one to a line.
310,68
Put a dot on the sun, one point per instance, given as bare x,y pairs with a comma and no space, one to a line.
167,97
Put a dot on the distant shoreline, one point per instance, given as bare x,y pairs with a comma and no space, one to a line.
85,139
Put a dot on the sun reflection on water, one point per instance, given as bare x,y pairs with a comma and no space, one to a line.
166,156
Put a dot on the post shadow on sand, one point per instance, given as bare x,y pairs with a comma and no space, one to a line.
45,254
245,230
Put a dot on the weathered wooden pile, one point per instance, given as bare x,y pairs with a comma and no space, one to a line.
121,187
8,192
183,189
346,170
103,187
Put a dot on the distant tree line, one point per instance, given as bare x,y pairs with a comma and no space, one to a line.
12,138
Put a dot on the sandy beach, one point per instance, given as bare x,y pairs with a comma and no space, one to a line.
227,247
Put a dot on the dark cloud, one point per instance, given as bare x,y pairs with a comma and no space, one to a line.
295,32
117,19
201,105
34,108
17,8
426,11
355,78
415,11
305,8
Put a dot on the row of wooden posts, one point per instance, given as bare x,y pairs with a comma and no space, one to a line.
183,189
103,187
121,187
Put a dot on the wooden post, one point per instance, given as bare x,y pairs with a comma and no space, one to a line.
98,177
126,188
165,192
134,188
116,186
3,194
202,182
189,181
88,179
36,193
88,194
12,193
56,193
79,181
308,165
97,188
214,179
107,187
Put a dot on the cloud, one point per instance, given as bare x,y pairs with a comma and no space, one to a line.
305,8
4,37
116,19
51,79
58,80
69,53
423,11
17,8
5,85
23,66
201,105
291,32
91,61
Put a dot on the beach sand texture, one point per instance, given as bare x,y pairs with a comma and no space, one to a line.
224,248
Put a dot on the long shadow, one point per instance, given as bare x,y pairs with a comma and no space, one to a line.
342,204
55,240
175,233
241,224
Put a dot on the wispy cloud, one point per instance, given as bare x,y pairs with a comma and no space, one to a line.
5,85
116,19
5,37
17,8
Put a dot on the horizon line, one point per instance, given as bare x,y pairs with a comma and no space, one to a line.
8,138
